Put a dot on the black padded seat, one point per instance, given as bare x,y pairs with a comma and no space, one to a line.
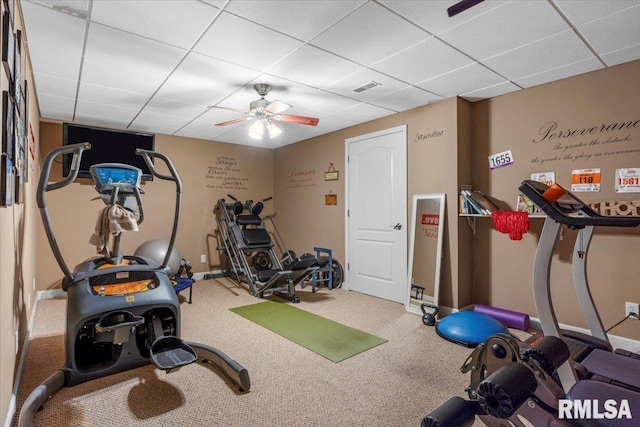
302,262
617,367
265,275
248,220
256,237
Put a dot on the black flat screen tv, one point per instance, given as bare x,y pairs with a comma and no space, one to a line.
107,146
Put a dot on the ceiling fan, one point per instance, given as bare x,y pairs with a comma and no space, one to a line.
265,112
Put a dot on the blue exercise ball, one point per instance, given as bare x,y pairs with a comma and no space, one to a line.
469,328
156,250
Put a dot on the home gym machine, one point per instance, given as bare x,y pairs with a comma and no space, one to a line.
122,311
244,236
517,381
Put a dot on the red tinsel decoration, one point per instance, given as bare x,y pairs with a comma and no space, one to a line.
510,222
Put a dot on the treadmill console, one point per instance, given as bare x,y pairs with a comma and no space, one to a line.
107,176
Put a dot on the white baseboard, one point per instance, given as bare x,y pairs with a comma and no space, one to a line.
615,340
211,273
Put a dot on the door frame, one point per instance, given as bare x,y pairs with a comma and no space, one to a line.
401,128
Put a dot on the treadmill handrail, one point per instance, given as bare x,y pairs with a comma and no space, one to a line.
561,209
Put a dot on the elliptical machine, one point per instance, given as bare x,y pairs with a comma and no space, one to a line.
122,311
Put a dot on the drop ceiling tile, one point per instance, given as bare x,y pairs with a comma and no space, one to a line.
363,113
505,28
122,60
241,42
175,108
302,19
623,55
56,107
327,103
559,73
613,32
550,53
205,125
119,115
147,119
177,23
427,59
405,99
110,96
50,62
217,3
192,133
490,92
385,85
313,67
203,80
369,34
77,8
57,86
333,123
582,11
58,55
432,15
461,80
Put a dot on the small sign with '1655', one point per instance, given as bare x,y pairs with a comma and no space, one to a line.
499,160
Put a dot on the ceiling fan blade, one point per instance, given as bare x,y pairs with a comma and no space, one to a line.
277,107
234,121
229,109
301,120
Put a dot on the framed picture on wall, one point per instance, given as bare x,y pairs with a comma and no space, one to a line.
6,173
8,45
7,125
19,155
25,121
18,73
8,6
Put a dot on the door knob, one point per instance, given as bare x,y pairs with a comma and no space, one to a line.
398,226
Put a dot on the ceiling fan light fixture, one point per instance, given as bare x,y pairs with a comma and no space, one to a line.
273,130
256,129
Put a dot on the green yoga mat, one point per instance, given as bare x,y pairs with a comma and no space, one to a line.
325,337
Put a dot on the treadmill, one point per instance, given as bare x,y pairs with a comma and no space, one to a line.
592,356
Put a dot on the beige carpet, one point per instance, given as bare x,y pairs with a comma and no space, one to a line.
394,384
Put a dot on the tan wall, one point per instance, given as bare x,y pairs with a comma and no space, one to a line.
432,166
503,268
17,247
208,171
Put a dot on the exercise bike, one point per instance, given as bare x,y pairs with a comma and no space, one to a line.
122,311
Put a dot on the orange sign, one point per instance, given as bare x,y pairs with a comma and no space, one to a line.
586,180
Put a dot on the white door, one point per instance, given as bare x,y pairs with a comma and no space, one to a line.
376,214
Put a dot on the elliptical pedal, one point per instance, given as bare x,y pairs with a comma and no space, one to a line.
170,353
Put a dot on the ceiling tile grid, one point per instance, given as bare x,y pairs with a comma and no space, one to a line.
159,65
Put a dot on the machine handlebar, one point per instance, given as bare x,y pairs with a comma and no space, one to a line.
568,209
44,185
147,155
